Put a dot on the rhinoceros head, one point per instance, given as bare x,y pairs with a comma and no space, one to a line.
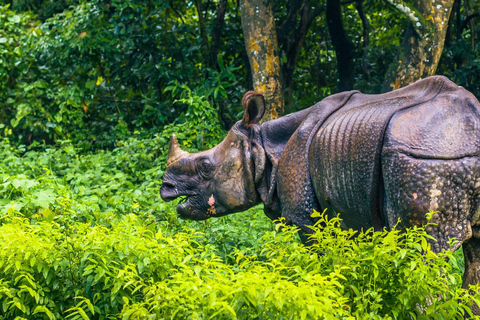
221,180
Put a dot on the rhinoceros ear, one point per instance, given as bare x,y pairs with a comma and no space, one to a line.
254,105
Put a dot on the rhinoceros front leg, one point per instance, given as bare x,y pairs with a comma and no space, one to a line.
297,200
295,190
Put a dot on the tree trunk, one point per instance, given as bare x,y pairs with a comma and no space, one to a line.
341,43
216,33
423,44
291,36
203,32
289,39
262,49
366,37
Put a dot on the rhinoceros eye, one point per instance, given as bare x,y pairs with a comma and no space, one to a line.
205,168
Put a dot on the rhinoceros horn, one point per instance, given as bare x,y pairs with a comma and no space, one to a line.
174,151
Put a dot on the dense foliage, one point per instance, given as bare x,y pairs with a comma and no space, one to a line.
86,236
96,71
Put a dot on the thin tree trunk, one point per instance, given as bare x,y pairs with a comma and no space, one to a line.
423,43
217,32
365,22
203,32
341,43
294,7
366,37
288,40
262,49
292,42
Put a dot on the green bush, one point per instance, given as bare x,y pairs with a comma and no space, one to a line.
15,30
98,187
135,270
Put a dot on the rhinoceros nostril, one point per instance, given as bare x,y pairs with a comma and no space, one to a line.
168,184
168,191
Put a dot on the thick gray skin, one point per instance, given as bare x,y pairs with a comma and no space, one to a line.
373,158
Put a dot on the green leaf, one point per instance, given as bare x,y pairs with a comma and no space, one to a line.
83,314
44,198
15,18
90,84
23,184
48,215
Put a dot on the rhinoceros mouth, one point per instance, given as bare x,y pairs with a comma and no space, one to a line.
169,192
182,199
190,207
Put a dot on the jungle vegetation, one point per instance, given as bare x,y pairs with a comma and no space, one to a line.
91,91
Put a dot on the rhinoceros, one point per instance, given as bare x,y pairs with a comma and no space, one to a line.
376,159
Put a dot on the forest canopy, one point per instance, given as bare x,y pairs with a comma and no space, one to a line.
93,72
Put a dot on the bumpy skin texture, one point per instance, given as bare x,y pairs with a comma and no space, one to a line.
430,161
414,186
375,159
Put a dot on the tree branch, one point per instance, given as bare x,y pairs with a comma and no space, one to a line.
217,32
366,37
293,36
365,22
294,46
179,14
415,17
203,30
293,10
467,20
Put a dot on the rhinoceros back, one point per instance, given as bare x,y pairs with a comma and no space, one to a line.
345,154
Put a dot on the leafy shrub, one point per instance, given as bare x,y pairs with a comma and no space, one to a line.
44,8
61,207
136,271
14,32
391,274
97,187
47,268
199,127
